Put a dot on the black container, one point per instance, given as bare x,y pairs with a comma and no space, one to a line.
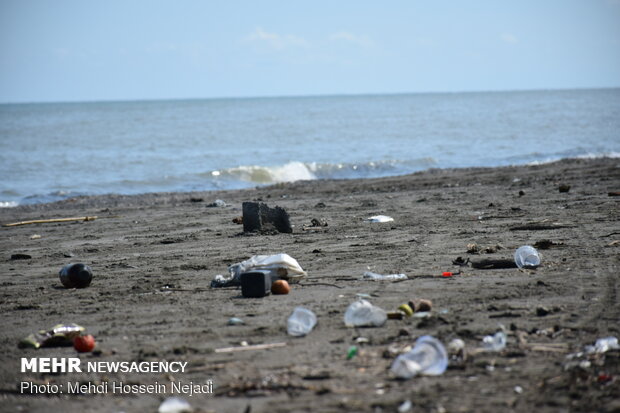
76,276
256,283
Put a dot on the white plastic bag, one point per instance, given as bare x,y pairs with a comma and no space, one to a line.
282,265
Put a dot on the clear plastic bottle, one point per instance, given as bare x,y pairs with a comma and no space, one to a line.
381,277
527,257
301,322
428,356
363,314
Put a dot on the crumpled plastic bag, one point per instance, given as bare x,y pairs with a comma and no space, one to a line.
281,266
57,336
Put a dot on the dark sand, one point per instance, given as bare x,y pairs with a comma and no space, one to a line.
150,298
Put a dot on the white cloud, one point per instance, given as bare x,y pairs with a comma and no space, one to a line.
359,40
509,38
275,41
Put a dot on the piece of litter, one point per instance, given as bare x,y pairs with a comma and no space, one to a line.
518,389
380,218
381,277
248,347
496,342
405,406
174,405
234,321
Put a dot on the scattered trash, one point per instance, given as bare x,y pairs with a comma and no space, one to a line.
496,342
84,344
218,203
174,405
518,389
428,357
527,257
460,261
380,218
363,314
255,284
405,406
301,322
395,315
473,248
363,295
456,346
422,314
316,222
603,345
21,256
407,309
59,335
352,352
493,264
380,277
237,220
545,244
280,266
542,311
76,275
423,305
280,287
564,188
247,347
234,321
258,217
446,274
35,236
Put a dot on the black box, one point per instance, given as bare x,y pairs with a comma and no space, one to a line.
256,283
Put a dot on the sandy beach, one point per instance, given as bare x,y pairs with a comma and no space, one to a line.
153,257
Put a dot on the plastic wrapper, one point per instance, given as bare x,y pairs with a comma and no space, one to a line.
281,266
60,335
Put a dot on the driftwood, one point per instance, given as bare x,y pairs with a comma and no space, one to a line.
47,221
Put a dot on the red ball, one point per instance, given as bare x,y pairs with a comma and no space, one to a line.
84,344
280,287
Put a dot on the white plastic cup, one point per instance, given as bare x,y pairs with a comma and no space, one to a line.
527,257
301,322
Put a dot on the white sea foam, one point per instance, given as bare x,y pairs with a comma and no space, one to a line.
8,204
290,172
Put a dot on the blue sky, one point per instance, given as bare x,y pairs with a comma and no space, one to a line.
85,50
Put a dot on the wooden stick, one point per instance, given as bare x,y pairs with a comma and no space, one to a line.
244,348
46,221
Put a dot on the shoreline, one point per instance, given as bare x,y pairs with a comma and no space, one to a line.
250,186
318,180
154,256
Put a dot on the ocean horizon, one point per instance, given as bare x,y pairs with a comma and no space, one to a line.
52,151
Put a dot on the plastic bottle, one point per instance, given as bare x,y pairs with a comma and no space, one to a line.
527,257
381,277
428,357
301,322
363,314
76,275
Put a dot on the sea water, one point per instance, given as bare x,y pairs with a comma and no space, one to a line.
56,150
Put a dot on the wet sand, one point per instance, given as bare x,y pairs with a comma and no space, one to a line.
154,256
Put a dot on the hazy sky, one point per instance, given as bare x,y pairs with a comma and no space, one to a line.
60,50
